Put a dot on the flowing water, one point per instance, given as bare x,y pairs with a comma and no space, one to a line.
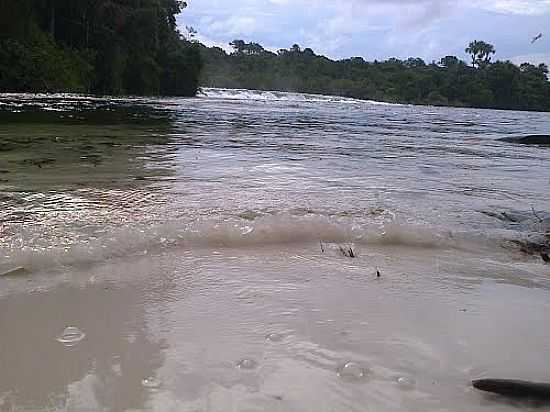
195,254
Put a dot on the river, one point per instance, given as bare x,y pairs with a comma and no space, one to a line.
222,253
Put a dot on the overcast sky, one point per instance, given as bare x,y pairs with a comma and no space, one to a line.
378,29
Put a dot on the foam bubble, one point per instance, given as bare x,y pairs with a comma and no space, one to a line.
274,337
71,336
352,372
405,382
151,383
247,364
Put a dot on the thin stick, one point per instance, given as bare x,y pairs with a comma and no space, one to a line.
536,215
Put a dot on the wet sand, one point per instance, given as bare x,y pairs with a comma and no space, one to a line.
296,330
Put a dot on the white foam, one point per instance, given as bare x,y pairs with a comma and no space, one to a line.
274,231
204,92
245,94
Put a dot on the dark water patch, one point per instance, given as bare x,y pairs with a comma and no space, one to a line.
538,140
80,111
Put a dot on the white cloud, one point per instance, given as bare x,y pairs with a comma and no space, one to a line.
207,41
526,7
234,25
374,28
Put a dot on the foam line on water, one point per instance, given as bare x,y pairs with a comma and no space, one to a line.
274,231
244,94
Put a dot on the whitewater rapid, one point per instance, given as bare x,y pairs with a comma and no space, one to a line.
245,94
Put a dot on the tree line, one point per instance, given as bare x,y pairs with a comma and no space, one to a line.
96,46
449,81
134,47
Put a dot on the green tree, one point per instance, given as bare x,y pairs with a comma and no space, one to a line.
480,53
449,62
450,82
102,46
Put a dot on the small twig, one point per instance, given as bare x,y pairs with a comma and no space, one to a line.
322,247
347,252
536,215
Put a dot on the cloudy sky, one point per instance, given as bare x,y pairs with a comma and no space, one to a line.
377,29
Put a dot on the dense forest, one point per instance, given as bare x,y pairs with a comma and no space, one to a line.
480,83
134,47
96,46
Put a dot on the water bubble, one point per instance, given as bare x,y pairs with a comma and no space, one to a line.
117,369
150,383
405,382
352,372
274,337
71,336
247,364
246,230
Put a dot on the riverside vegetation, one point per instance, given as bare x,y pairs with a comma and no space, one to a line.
96,46
134,47
449,82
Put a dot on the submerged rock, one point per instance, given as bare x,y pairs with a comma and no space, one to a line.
535,139
532,228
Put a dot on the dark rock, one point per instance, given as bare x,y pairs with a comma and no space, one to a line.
531,227
535,139
514,388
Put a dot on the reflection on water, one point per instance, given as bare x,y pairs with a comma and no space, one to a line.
104,370
186,254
